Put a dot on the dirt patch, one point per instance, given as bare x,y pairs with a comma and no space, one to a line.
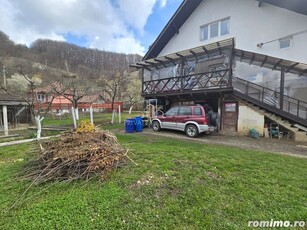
150,179
280,146
213,175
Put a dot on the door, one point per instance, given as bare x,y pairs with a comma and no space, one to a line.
184,115
230,118
168,121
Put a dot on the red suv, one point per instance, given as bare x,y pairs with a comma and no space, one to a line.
190,119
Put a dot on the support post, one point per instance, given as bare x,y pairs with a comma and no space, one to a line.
230,68
282,88
4,108
5,122
222,111
1,123
181,73
142,73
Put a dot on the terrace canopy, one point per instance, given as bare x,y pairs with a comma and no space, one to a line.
220,47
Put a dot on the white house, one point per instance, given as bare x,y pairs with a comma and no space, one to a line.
281,30
233,55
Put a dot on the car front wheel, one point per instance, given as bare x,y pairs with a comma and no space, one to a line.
156,126
191,131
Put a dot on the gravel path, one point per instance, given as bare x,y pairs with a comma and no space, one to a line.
280,146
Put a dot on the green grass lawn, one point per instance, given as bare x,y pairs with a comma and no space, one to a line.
27,134
99,118
102,119
176,185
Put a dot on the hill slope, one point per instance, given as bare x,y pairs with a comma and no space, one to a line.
92,63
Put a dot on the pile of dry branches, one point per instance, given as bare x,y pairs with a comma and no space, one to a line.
76,156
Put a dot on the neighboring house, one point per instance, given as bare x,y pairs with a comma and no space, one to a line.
14,109
98,104
43,97
233,55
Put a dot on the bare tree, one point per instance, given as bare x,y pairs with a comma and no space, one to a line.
73,88
111,85
133,93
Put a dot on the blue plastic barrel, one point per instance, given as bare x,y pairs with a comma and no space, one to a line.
138,124
130,125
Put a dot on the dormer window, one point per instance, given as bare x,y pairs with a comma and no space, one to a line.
285,42
215,29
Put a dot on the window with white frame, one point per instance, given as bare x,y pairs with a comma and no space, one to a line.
285,42
215,29
40,97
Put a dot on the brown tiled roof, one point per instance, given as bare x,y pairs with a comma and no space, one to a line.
6,99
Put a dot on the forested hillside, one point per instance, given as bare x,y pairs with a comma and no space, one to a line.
68,57
100,72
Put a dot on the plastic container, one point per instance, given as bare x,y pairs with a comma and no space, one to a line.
138,124
130,125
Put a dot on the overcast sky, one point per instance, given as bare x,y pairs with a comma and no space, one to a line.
128,26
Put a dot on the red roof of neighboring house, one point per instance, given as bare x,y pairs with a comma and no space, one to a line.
89,98
49,88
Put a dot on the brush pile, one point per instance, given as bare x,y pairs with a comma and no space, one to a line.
77,155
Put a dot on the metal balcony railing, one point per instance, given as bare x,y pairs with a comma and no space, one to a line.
209,80
295,107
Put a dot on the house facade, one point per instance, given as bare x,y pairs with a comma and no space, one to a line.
250,22
241,58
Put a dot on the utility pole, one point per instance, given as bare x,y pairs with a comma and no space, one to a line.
4,108
4,78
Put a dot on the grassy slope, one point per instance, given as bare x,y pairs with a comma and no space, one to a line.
177,184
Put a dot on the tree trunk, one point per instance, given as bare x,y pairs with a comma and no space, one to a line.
113,116
32,116
130,110
112,104
38,121
77,113
74,117
119,115
91,115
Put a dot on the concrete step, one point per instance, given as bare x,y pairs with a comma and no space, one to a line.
300,127
294,131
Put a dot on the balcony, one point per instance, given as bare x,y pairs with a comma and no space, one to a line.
219,80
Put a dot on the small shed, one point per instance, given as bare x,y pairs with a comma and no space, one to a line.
13,111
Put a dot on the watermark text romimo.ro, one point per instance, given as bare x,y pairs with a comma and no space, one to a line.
276,223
